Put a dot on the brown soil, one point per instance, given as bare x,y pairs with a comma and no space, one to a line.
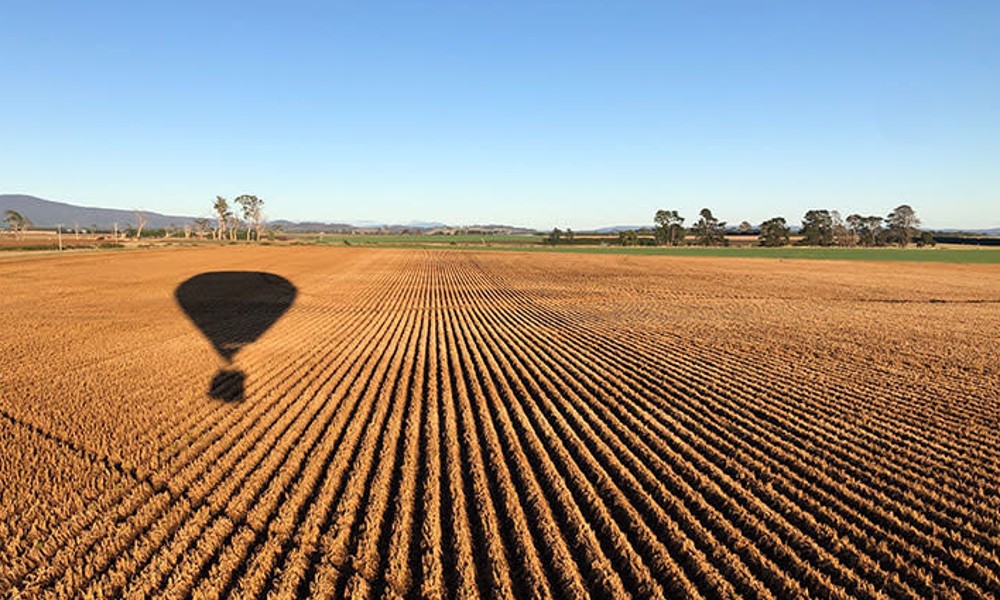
451,423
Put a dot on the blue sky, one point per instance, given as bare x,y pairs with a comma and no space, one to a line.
546,113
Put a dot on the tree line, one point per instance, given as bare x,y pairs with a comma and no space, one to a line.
819,227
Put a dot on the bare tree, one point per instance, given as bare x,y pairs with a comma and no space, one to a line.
140,222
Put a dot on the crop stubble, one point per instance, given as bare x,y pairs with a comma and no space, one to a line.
460,424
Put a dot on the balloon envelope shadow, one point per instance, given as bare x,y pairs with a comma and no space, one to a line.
233,309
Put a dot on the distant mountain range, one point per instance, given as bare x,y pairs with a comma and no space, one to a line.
314,226
618,228
410,224
47,214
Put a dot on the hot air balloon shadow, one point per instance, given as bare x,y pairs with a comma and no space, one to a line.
233,309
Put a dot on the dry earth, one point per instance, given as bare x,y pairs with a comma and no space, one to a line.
461,424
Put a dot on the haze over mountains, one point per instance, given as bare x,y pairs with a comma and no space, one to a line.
47,214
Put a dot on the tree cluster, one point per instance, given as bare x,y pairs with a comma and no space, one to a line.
229,223
820,227
774,232
826,228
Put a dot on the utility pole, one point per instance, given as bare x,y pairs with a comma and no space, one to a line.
59,235
116,232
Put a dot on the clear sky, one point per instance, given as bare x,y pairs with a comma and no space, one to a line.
536,113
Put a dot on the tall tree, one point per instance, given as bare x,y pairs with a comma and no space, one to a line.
817,228
223,214
555,236
903,225
140,222
250,206
709,230
669,227
17,223
774,232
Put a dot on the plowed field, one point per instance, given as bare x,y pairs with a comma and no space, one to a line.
460,424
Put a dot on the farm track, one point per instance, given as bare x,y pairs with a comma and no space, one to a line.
452,424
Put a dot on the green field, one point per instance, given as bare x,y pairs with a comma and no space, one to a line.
948,255
590,244
970,255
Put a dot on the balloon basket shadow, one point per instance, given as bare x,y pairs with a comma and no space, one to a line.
233,309
227,385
